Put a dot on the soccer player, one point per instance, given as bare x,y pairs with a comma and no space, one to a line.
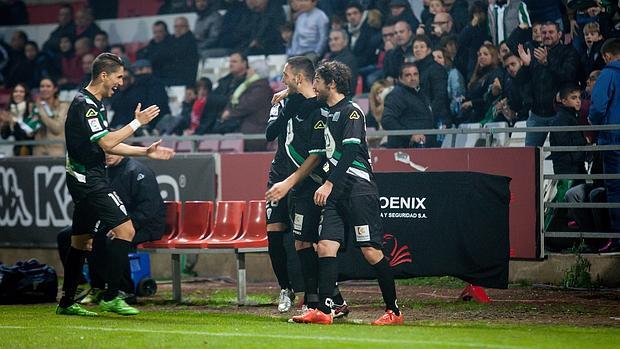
349,196
96,203
305,148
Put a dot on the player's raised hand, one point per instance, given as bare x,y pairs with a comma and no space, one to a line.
155,151
145,116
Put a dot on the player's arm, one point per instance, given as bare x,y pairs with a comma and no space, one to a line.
154,151
279,190
109,140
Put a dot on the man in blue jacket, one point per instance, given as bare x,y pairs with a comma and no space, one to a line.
605,110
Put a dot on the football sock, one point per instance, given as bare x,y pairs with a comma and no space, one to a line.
116,261
73,268
328,275
337,298
386,283
309,268
277,254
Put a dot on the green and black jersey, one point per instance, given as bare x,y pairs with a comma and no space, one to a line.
304,137
276,129
346,124
86,124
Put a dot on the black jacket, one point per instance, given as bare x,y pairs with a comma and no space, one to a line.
405,109
350,60
519,95
567,162
395,58
434,84
366,45
137,186
184,62
160,55
562,67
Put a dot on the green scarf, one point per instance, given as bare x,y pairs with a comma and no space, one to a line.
234,100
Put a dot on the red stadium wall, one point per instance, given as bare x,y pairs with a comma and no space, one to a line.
244,177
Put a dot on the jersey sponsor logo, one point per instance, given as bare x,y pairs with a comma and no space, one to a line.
362,233
298,222
91,113
319,125
354,115
94,124
140,177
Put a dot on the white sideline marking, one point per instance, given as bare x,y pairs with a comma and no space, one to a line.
276,336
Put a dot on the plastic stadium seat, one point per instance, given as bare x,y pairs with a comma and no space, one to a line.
232,145
196,224
173,215
184,147
228,224
500,139
468,140
209,145
517,139
254,228
363,103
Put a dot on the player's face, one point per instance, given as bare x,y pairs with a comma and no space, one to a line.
320,88
289,79
112,81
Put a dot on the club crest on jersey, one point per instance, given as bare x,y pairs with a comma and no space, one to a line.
319,125
354,115
91,113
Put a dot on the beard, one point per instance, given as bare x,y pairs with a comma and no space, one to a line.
322,96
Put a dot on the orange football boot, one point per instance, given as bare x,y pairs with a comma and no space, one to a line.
314,316
389,318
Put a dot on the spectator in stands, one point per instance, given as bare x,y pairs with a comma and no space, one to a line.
87,61
175,6
403,52
265,17
150,90
237,67
70,65
456,83
52,113
14,120
591,58
177,124
376,99
13,12
605,110
586,101
548,68
208,26
546,11
286,33
484,87
471,38
503,50
123,102
101,43
568,114
66,27
16,70
458,10
400,10
119,50
232,25
311,31
516,95
504,16
249,105
373,72
363,39
441,26
339,51
38,65
433,80
158,51
205,110
407,108
85,25
184,49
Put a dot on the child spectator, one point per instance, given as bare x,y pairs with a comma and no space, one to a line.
568,114
311,31
592,59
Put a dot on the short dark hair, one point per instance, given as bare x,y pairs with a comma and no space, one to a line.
407,23
243,55
445,40
106,62
162,23
424,39
408,65
568,89
509,55
611,46
102,32
555,24
206,83
22,35
33,44
390,22
303,65
338,73
355,4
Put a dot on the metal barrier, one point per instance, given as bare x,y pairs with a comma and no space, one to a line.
488,140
